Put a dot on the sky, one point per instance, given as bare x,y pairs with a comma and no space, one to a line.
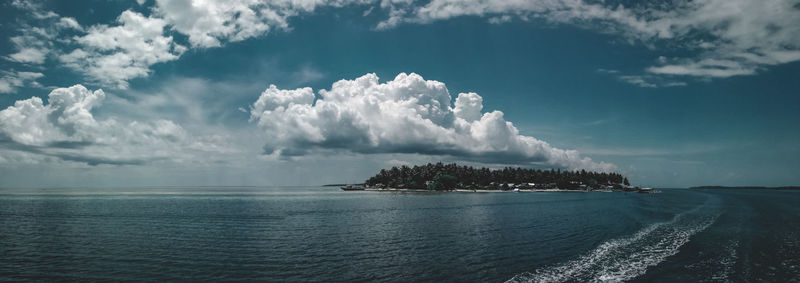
309,92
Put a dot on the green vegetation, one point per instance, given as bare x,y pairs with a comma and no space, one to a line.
451,176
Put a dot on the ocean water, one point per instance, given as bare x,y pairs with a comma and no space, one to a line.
323,234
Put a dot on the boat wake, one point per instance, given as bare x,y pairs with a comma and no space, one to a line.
626,258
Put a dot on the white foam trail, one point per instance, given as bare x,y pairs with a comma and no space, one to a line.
627,258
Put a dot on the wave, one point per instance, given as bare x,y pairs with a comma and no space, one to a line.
626,258
727,262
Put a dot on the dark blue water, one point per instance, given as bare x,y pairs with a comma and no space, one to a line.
323,234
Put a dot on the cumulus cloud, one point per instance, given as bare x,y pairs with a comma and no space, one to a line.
112,55
11,80
406,115
66,128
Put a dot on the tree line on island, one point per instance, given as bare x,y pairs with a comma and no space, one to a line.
452,176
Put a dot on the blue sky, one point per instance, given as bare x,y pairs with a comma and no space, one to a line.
671,94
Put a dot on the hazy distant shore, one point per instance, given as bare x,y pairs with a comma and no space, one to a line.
745,188
480,191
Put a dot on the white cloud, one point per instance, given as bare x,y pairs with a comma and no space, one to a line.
607,71
649,81
747,34
500,20
705,68
211,23
111,55
206,22
32,46
29,55
10,81
35,8
35,43
645,80
406,115
468,106
498,11
66,128
71,23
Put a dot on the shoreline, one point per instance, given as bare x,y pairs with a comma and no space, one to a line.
485,191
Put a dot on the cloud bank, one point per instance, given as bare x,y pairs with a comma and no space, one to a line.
66,129
406,115
729,37
721,38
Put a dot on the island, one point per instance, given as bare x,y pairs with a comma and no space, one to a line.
453,177
745,188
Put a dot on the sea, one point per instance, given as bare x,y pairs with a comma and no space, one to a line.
323,234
